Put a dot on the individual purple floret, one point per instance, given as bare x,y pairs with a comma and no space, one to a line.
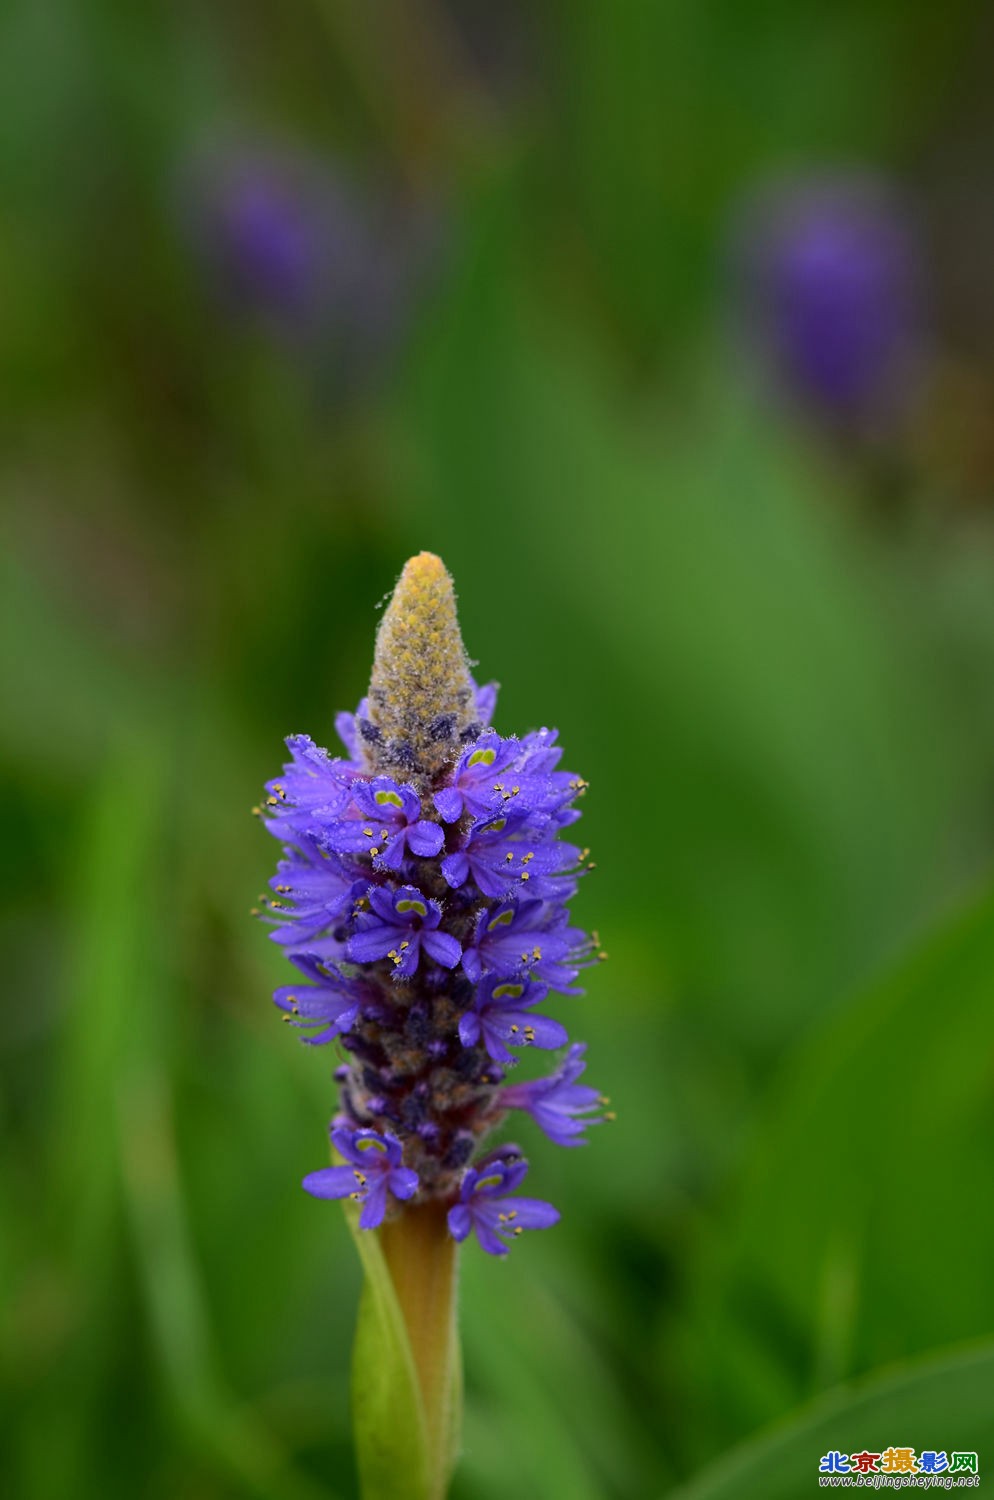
390,823
514,851
329,1001
422,895
501,1017
485,1205
397,926
527,938
558,1104
473,787
376,1170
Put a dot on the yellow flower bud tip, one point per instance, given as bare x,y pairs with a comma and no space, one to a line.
421,697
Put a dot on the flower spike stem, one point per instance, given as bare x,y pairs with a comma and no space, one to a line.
421,1257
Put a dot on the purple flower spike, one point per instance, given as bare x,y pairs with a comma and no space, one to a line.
558,1104
398,925
501,1017
485,1207
434,844
375,1171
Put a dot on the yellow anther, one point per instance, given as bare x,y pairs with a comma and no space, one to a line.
356,1197
536,953
525,875
610,1115
374,850
368,832
271,802
517,1229
529,1033
515,1029
404,945
257,812
526,857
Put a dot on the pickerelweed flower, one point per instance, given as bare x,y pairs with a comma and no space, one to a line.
831,279
304,249
422,896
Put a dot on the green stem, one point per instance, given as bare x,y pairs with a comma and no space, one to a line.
421,1257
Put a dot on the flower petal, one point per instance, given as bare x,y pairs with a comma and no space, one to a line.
532,1213
460,1221
403,1182
455,868
371,943
330,1182
442,947
448,801
546,1031
469,1028
375,1205
425,839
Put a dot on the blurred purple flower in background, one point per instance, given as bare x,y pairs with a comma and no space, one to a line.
295,245
831,295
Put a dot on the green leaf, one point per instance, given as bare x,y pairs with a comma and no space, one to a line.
861,1233
388,1413
943,1402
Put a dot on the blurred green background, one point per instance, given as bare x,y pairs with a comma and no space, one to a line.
293,292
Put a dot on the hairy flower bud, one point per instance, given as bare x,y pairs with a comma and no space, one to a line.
422,702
